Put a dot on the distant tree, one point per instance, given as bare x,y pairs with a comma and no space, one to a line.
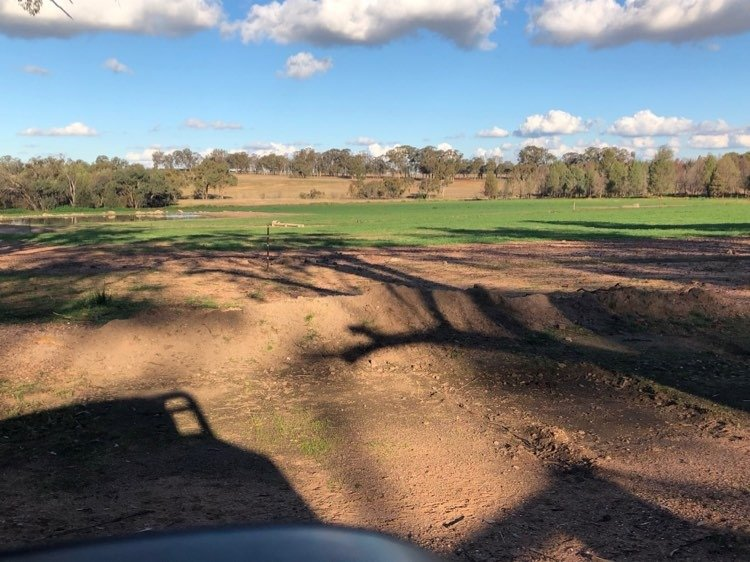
661,172
157,159
726,179
594,180
211,175
554,183
535,156
76,173
637,181
186,159
240,162
303,162
491,188
614,166
709,169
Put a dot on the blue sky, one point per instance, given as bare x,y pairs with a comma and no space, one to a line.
372,75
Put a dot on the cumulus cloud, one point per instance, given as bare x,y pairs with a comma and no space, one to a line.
266,148
33,69
645,123
607,23
720,141
489,153
641,142
468,23
145,156
165,18
718,126
377,150
116,66
76,129
554,122
709,141
444,146
493,133
304,65
194,123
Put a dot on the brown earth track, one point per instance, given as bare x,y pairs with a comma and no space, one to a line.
487,402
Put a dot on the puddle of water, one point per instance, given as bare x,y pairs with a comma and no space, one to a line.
95,219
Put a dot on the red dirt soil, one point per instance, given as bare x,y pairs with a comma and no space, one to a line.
504,402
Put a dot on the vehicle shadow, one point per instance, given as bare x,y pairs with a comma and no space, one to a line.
124,466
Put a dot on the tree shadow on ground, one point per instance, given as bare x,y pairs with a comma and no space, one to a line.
124,466
704,228
584,513
676,367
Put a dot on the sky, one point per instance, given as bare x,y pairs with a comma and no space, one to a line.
127,77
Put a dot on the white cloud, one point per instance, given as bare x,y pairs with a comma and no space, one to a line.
194,123
116,66
646,123
467,23
493,133
304,65
709,141
554,122
641,142
490,153
145,156
377,150
606,23
718,126
76,129
145,17
265,148
444,146
33,69
720,141
362,141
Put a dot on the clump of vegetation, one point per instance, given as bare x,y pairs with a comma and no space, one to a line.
203,302
491,189
384,188
298,430
312,194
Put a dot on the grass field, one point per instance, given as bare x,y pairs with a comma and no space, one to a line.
418,223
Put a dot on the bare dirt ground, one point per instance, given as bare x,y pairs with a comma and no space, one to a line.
258,189
561,401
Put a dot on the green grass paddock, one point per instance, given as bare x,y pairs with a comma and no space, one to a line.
420,223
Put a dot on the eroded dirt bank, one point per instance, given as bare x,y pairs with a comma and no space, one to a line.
483,422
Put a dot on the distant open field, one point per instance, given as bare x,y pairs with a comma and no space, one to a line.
253,189
414,223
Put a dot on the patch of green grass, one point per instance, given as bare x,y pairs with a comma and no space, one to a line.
298,430
424,223
311,334
16,395
257,295
203,302
99,307
146,287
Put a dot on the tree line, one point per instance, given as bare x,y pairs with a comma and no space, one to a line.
40,184
45,183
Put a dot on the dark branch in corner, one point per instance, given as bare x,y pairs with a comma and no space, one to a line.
34,6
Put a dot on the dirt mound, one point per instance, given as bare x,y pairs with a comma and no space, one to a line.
631,301
536,312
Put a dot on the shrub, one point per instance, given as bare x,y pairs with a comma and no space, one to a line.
312,194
